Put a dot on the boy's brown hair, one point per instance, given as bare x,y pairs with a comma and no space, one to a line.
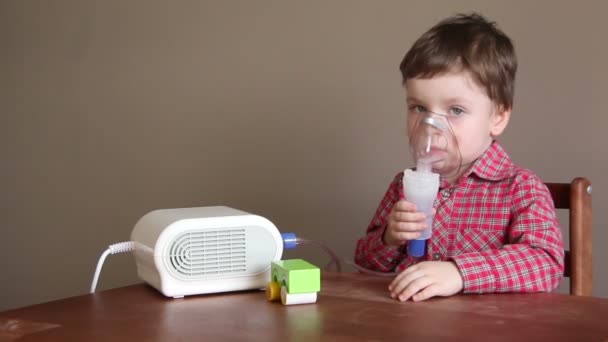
466,42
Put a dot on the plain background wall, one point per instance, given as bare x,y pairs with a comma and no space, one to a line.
290,110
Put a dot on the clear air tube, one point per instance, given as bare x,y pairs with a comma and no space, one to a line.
368,271
290,241
334,257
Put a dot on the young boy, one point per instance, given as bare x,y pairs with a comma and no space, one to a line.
494,226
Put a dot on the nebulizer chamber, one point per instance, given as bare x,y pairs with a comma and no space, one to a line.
429,141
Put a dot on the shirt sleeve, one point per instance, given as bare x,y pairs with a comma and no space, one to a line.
533,258
371,251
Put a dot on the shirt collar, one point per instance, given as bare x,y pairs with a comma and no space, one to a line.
494,164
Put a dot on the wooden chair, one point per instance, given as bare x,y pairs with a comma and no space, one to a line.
576,197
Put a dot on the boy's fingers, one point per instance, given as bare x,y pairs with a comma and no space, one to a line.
401,275
402,281
405,206
415,287
409,227
426,293
408,216
408,236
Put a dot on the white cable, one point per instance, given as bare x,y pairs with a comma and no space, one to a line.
116,248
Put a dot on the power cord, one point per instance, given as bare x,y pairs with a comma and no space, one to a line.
116,248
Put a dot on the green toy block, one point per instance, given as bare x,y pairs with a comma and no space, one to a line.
297,275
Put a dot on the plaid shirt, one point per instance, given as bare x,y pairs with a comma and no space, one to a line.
497,224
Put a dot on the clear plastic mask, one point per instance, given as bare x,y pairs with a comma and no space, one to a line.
433,144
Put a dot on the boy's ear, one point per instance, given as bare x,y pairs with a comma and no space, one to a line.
499,121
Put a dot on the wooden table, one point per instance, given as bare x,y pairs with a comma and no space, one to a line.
351,307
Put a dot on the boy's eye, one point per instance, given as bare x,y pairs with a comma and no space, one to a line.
418,109
456,111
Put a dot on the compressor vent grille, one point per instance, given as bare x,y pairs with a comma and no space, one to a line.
203,253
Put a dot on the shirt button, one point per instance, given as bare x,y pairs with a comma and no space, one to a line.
436,256
446,193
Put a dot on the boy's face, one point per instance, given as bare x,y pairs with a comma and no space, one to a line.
473,116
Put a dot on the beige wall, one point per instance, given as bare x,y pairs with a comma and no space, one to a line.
291,110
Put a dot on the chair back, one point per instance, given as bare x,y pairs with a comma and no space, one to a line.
576,198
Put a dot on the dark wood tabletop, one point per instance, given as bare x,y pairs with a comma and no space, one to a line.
350,307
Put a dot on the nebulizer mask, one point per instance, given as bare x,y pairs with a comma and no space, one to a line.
431,138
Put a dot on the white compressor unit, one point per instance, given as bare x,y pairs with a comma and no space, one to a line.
193,251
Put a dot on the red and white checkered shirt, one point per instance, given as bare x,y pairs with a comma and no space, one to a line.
497,224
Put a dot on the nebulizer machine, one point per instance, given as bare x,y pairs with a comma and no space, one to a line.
431,137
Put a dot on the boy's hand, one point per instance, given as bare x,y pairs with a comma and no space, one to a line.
404,223
425,280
